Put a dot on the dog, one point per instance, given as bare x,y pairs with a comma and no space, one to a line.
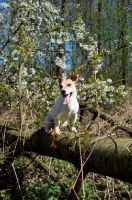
66,107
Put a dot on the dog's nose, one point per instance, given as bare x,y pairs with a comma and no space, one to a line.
63,92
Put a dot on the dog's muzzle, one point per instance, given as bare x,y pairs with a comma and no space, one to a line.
63,92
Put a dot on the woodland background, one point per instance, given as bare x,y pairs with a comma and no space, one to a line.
39,41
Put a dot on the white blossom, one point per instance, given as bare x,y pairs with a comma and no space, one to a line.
15,58
95,71
24,84
33,71
4,5
109,80
24,71
14,52
24,4
59,41
80,35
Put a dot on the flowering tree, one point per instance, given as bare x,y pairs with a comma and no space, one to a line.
30,49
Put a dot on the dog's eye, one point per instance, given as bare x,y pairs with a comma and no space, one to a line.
61,86
69,85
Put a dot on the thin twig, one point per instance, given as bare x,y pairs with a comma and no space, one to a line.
17,179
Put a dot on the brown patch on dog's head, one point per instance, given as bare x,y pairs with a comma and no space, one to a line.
72,80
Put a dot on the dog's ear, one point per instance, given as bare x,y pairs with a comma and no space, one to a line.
74,78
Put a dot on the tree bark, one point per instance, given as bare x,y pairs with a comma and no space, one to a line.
99,26
107,156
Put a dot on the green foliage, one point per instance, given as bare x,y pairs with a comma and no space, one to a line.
59,117
90,191
7,93
38,184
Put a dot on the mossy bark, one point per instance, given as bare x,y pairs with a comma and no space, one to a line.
107,156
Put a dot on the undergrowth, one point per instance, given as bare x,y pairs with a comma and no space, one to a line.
24,178
37,184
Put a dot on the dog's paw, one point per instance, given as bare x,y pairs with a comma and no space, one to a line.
73,129
53,132
57,131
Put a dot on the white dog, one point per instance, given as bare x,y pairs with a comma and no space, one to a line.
66,107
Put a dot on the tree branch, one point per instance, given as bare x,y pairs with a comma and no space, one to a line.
109,119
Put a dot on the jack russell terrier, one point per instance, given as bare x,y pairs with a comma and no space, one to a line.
66,107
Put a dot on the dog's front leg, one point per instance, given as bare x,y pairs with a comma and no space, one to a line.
73,121
64,124
57,126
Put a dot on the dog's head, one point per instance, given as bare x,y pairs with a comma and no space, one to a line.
67,88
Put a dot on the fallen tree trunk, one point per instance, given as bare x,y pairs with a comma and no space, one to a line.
107,156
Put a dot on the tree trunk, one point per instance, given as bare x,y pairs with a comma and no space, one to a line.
59,70
103,155
99,26
123,23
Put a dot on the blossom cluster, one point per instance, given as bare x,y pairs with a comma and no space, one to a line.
105,93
